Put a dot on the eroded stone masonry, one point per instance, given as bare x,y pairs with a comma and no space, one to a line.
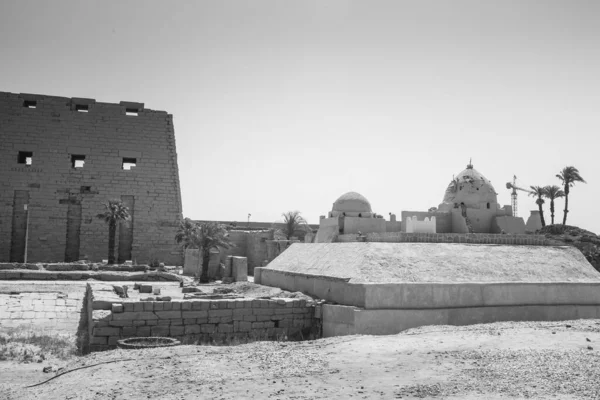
63,157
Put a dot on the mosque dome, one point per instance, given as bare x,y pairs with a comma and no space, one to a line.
471,188
351,204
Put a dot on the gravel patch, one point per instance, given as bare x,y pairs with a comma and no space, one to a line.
530,373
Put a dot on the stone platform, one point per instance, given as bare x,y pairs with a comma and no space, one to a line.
383,288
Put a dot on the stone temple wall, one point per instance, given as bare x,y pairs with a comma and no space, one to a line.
65,157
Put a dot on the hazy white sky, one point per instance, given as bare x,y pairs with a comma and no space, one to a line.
285,105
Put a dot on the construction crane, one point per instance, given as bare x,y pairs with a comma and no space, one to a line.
513,195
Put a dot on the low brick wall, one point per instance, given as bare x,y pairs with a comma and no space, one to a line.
475,238
204,321
77,266
36,275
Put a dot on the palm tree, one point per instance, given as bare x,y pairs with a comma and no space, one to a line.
538,191
114,213
568,176
205,236
293,221
186,233
553,192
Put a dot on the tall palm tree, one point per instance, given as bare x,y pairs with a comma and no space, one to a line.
205,236
538,191
186,233
568,176
553,192
114,213
293,221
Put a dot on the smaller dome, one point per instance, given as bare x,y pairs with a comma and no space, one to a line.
352,202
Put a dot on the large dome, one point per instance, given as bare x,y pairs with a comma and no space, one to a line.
471,188
353,203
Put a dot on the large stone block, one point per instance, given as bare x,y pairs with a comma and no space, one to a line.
143,331
227,267
168,314
191,329
192,263
141,315
194,314
106,331
220,313
160,330
98,340
177,330
207,328
239,269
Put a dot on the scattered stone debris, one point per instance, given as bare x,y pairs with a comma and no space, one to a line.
222,290
145,288
49,368
217,296
191,289
121,290
117,308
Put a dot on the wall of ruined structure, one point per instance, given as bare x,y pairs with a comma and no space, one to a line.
63,200
443,220
356,224
339,320
415,226
459,223
249,244
200,320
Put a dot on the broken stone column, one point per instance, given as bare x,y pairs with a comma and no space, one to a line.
257,275
239,269
191,264
213,264
226,267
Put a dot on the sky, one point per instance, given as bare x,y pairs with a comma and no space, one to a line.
285,105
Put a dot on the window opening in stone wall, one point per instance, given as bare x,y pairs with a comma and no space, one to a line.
488,205
30,104
85,189
25,157
77,160
82,108
131,111
129,163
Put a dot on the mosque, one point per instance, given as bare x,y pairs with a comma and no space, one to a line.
470,205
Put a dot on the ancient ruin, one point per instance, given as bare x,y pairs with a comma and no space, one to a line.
63,157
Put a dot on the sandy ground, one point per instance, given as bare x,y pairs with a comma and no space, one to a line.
558,360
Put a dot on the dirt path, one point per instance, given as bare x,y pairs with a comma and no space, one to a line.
494,361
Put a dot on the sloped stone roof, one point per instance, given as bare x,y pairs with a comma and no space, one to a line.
436,262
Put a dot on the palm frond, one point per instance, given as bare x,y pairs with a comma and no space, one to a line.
114,211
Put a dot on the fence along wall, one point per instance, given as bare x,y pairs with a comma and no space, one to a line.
200,320
475,238
64,157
